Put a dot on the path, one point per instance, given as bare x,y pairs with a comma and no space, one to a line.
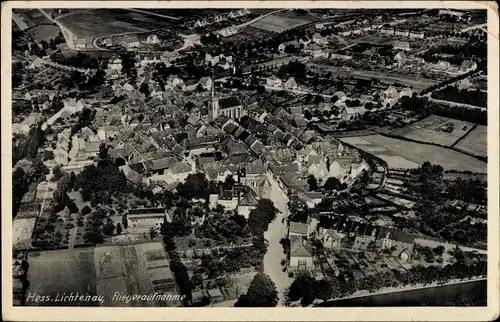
481,26
152,14
243,25
447,246
277,229
19,21
68,35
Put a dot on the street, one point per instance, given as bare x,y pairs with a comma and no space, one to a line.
277,230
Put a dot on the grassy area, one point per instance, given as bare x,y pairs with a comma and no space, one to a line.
60,271
475,142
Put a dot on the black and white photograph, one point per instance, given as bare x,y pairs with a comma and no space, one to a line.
241,157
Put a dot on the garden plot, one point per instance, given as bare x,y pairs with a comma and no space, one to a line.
475,142
438,130
278,24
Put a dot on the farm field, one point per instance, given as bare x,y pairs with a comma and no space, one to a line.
404,154
386,77
43,32
104,22
62,271
431,130
277,23
475,142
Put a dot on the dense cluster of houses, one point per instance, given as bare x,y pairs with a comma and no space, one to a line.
233,14
334,231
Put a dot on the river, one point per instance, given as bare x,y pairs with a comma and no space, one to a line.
463,294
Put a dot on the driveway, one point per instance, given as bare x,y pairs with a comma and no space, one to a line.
277,230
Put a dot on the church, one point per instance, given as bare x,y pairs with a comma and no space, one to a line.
228,106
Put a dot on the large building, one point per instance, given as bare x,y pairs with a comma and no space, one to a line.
146,217
228,106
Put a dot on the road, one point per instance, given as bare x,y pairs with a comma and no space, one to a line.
153,14
277,229
481,26
68,35
447,246
248,23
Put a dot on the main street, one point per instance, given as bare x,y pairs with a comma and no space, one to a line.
277,230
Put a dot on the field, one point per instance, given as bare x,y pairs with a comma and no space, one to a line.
62,271
475,142
43,32
125,269
276,23
403,154
431,130
105,22
417,82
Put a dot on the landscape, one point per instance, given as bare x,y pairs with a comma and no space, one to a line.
249,157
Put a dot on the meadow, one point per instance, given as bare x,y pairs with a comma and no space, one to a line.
105,22
404,154
475,142
431,130
60,271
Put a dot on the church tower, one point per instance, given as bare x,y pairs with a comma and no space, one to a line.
213,109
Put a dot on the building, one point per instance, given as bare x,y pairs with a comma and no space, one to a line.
152,39
332,239
300,255
273,81
401,45
228,106
291,83
146,218
298,230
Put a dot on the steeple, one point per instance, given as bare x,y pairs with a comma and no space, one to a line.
213,109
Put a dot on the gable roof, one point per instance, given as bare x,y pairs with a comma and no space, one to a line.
249,198
299,249
298,228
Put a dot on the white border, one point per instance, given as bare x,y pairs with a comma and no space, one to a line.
275,314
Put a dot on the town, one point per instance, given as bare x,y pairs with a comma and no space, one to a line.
247,157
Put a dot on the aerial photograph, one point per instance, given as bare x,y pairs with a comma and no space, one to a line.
249,157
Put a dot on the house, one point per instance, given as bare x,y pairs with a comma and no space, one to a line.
396,242
228,31
300,255
248,202
205,82
467,66
291,83
349,113
215,295
152,39
273,81
320,40
402,45
332,239
146,218
400,58
298,230
288,44
311,198
174,81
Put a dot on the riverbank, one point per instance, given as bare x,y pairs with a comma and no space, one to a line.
401,289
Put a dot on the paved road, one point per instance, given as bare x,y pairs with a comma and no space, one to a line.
277,230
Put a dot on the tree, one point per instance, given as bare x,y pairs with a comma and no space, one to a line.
324,290
125,221
118,228
195,186
86,210
64,184
312,182
261,216
103,151
307,115
145,89
302,288
57,173
332,183
438,250
261,293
